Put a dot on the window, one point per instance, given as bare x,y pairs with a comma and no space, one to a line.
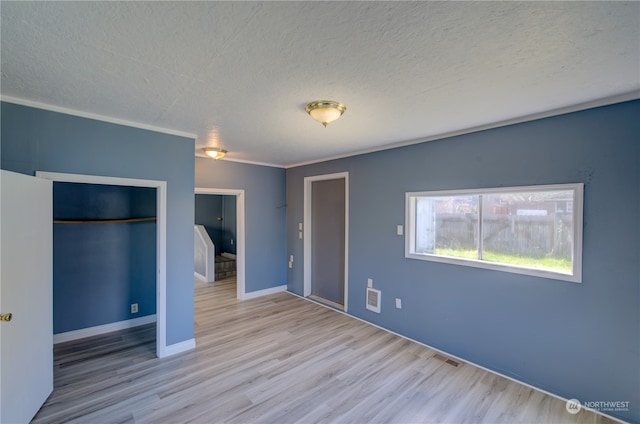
534,230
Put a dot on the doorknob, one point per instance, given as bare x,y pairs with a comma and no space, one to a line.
6,317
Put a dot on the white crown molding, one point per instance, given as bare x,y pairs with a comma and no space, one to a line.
633,95
67,111
248,162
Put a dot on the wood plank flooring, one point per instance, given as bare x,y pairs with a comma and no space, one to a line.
281,359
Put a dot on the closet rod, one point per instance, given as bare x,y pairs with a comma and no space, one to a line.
102,221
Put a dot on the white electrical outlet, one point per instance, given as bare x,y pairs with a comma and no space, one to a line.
300,235
290,264
134,308
369,283
398,303
290,258
299,225
399,230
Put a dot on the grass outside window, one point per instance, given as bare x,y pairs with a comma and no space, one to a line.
551,263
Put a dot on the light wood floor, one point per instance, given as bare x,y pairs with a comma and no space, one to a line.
281,359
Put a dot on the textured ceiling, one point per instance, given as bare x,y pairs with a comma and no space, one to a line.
238,74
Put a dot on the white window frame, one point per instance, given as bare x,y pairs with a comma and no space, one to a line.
578,195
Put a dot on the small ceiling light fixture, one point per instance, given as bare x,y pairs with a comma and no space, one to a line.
325,111
215,152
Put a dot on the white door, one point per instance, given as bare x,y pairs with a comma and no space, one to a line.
26,291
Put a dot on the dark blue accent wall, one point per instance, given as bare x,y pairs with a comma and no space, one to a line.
208,210
100,269
34,139
218,215
265,212
229,225
575,340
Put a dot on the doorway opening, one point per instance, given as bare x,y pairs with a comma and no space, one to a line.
160,188
225,247
215,237
326,241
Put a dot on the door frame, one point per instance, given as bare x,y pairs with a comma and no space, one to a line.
308,189
240,238
161,239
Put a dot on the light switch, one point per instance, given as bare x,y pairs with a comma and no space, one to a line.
300,235
399,230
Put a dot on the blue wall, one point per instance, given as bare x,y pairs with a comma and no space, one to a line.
99,270
218,215
229,224
265,211
208,209
35,139
575,340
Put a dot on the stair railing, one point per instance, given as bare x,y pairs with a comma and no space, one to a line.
204,254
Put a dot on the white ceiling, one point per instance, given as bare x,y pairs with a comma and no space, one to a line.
238,74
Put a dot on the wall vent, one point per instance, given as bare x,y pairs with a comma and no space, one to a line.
373,299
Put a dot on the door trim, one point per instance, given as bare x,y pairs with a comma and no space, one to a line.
307,235
161,239
240,242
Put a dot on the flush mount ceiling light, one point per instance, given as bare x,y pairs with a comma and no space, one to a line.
325,111
215,152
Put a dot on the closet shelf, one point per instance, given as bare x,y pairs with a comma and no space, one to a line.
102,221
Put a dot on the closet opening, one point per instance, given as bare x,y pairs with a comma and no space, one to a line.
109,258
104,260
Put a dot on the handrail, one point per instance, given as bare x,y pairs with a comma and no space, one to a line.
205,251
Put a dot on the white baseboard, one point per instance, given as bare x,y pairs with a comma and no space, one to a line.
265,292
200,276
101,329
177,348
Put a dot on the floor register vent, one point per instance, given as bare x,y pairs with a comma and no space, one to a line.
373,299
446,360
